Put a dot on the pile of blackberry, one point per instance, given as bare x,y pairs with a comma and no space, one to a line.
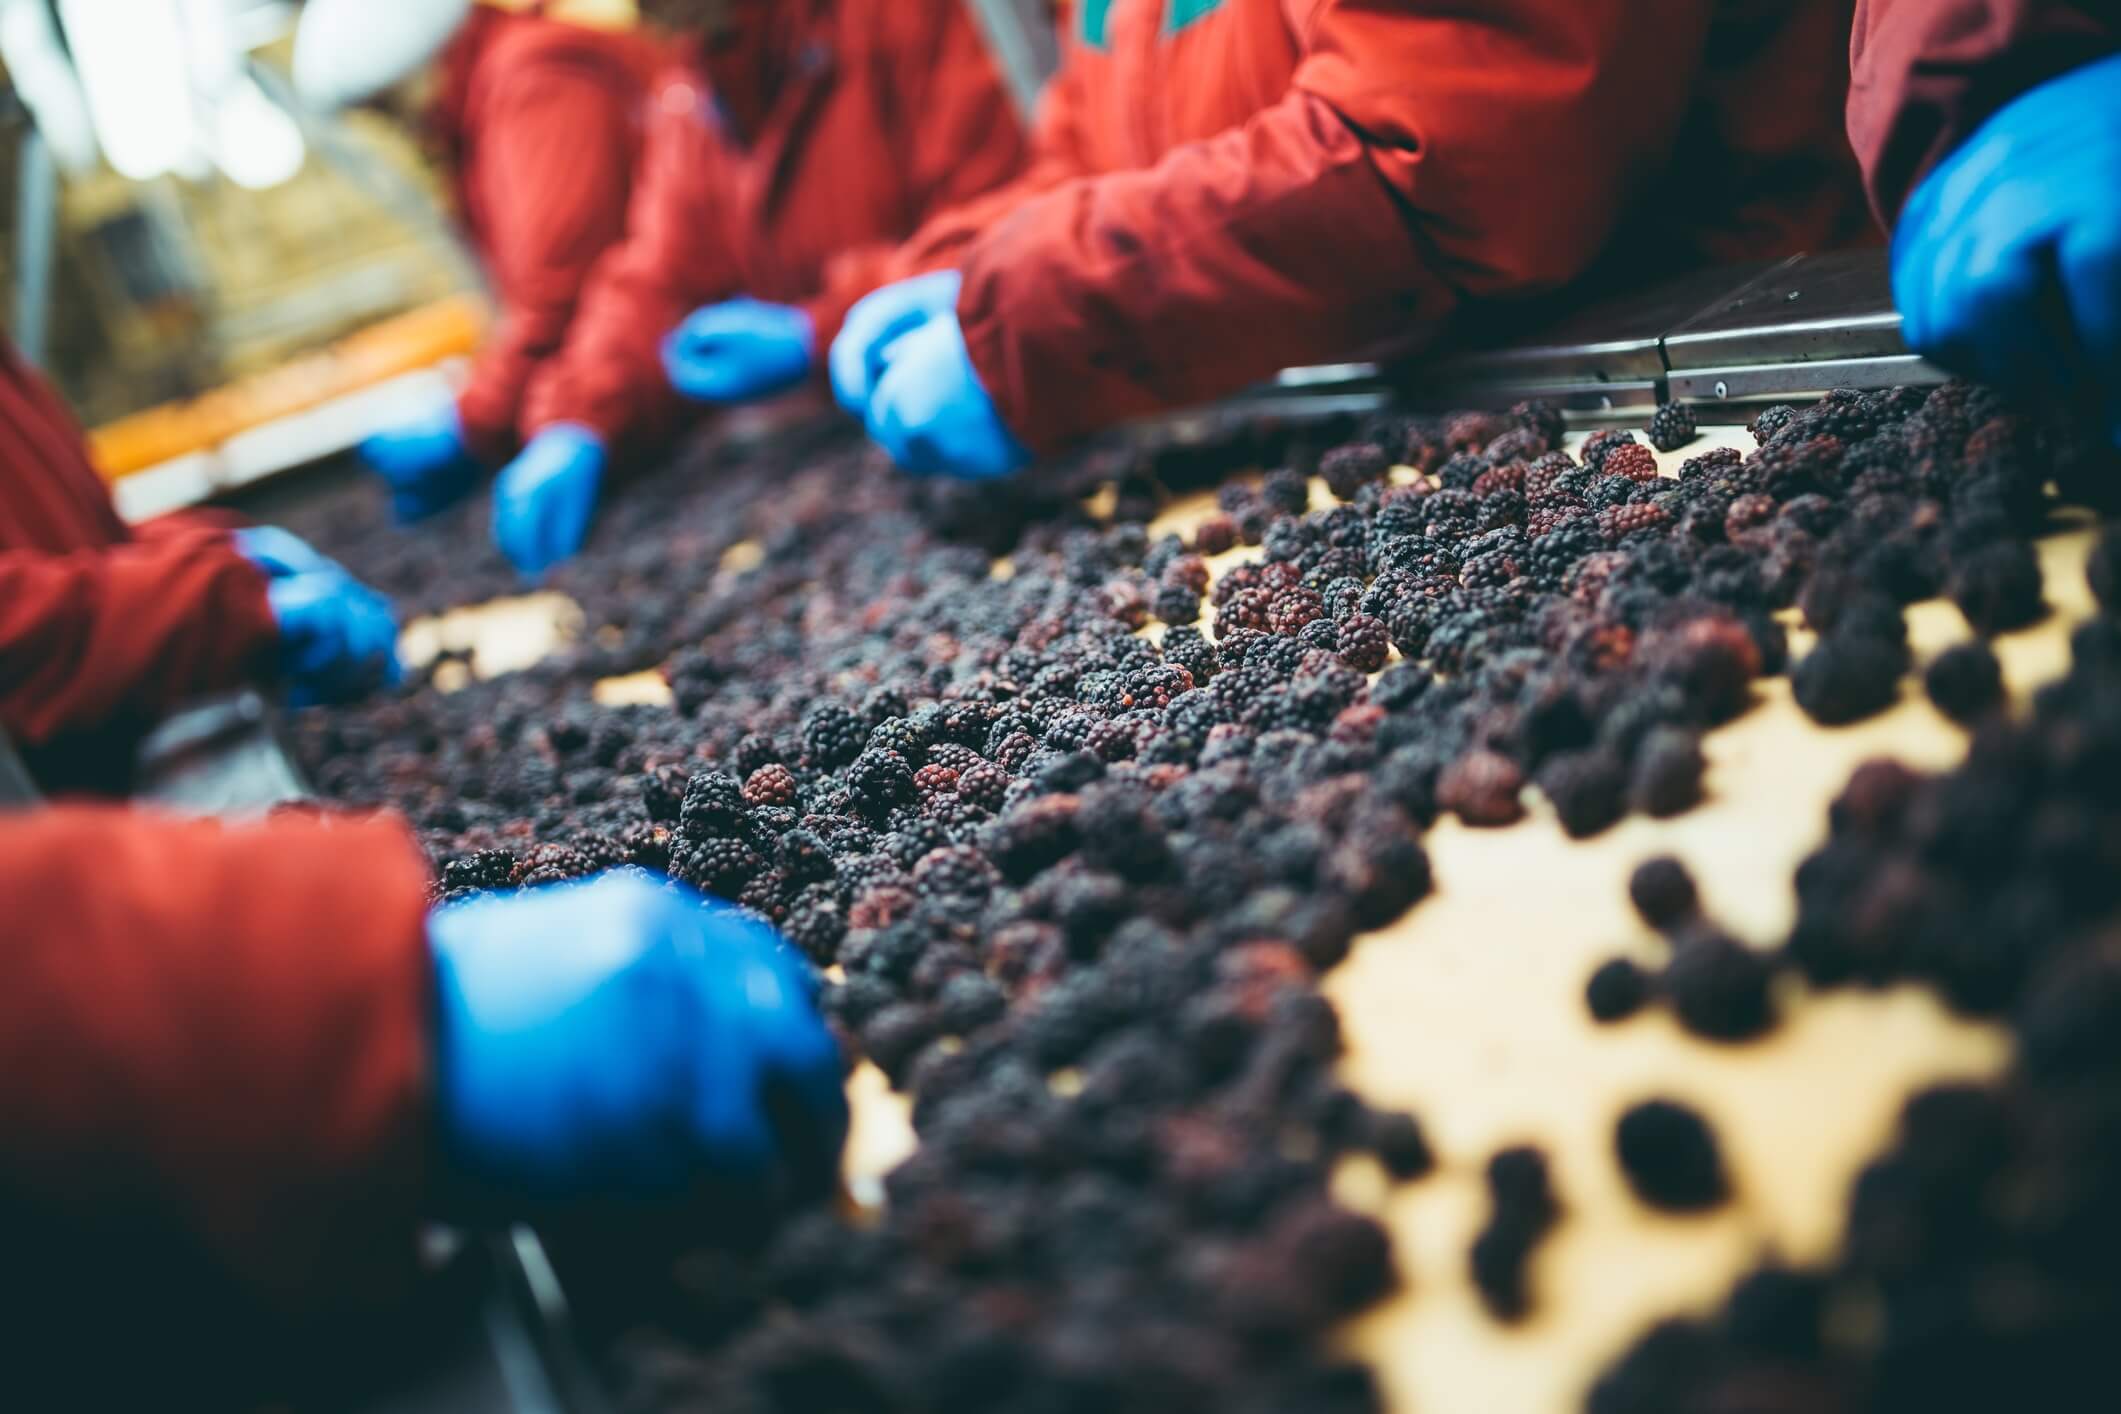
1075,884
1979,1268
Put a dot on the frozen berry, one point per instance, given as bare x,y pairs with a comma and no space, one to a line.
1663,892
1965,681
1672,427
1670,1157
1617,990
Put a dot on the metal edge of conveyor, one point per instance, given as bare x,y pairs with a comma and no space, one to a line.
1738,338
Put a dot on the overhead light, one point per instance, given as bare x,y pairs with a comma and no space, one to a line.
129,54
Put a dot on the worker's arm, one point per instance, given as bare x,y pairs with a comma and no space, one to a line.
1925,74
608,377
554,166
963,150
262,1035
227,1027
1425,153
133,629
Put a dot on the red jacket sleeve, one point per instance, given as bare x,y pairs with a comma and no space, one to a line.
1926,73
132,629
609,376
552,168
1424,153
223,1027
963,144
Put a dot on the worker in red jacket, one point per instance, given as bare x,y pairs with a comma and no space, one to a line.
105,627
802,140
1226,187
1990,133
244,1062
537,117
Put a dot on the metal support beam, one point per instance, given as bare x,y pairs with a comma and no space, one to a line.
1021,38
36,234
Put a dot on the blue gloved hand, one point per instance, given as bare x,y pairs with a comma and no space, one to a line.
425,462
2007,260
931,414
619,1038
338,637
740,350
875,322
279,553
544,500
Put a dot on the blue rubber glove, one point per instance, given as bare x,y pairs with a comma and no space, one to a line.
619,1038
2007,260
425,463
279,554
338,637
544,500
875,322
931,414
740,350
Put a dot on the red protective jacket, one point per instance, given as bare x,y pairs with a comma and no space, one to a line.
541,123
1926,73
1226,187
102,628
781,164
216,1043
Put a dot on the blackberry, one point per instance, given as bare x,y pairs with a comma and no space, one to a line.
933,779
714,806
1287,491
1847,677
1770,421
881,781
1291,609
1542,419
1663,892
1748,514
484,869
770,785
1718,986
720,866
832,735
900,735
1588,789
1248,609
1617,990
1670,1157
1346,470
1619,522
1365,643
804,857
1522,1211
1666,779
1396,1138
1965,682
1482,788
1599,445
1215,535
817,924
958,870
1998,587
1672,427
1320,633
1631,461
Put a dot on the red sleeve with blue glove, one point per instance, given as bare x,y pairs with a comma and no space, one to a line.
1992,133
877,115
257,1046
97,622
546,122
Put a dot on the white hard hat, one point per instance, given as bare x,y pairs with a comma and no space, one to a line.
347,51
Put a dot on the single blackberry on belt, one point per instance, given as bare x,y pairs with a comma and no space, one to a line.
1365,643
714,805
1965,681
1346,470
1617,990
832,735
770,785
1670,1156
1672,427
